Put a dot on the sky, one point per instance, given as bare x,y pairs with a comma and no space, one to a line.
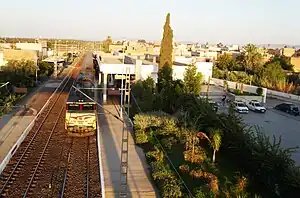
212,21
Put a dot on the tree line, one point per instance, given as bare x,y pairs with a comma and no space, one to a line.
251,67
21,74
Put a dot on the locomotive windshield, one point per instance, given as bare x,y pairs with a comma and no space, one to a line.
73,107
81,107
88,107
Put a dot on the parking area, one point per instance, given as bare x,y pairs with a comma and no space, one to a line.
275,123
272,122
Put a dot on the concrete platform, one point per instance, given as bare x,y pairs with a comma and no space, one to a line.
139,179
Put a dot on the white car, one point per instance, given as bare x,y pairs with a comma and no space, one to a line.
240,107
256,106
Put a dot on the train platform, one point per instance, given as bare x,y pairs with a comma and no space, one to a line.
139,178
15,125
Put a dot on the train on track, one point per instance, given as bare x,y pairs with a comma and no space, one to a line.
81,111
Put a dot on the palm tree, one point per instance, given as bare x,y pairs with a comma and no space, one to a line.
215,142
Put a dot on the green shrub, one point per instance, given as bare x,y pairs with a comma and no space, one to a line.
140,136
160,170
237,92
171,187
155,155
259,91
204,192
153,119
168,142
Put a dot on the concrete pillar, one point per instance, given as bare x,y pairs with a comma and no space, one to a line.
99,78
104,87
138,68
265,95
55,69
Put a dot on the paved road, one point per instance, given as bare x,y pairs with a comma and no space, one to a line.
272,122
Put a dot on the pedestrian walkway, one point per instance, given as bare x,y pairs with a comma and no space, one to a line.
139,179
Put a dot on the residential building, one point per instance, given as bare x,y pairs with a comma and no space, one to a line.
295,60
5,46
1,59
41,47
288,52
116,48
12,54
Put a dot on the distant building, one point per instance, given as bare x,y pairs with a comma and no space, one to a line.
41,47
296,62
288,52
116,48
11,54
1,59
5,46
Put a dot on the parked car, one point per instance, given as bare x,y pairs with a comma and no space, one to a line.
240,106
215,105
256,106
288,108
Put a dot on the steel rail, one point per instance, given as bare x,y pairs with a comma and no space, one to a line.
35,134
43,152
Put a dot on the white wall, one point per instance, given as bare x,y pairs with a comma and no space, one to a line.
1,59
232,85
252,89
116,68
280,95
29,46
206,69
182,59
151,70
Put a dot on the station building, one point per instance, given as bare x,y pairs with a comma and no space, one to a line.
114,67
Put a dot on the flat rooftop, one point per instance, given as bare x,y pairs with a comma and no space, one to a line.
112,60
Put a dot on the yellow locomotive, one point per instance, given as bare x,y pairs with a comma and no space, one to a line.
81,112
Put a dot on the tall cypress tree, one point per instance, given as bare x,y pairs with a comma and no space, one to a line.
166,48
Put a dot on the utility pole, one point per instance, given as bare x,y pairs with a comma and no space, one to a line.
55,47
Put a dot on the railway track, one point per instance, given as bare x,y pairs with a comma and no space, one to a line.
23,171
81,175
48,163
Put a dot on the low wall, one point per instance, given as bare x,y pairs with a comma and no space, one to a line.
252,89
246,88
245,99
282,95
